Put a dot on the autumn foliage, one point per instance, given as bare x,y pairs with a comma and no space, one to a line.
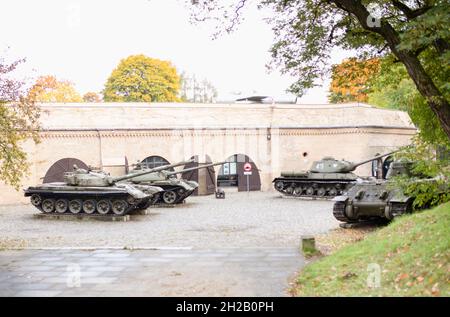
351,80
141,78
49,89
91,97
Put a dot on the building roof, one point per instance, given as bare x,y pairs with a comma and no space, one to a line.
88,116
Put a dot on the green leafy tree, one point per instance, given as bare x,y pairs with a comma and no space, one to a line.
429,183
307,30
19,121
141,78
393,88
50,89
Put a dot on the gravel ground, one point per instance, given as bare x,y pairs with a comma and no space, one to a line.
257,219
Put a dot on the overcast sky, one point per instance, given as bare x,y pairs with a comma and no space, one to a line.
82,41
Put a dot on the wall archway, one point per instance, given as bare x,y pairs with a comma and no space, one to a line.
231,174
155,161
56,172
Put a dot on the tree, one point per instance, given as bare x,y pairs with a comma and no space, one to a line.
393,88
19,121
141,78
91,97
194,90
307,30
351,80
49,89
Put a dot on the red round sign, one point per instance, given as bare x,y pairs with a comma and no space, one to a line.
247,167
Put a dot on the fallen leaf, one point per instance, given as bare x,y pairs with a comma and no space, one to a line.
435,289
401,276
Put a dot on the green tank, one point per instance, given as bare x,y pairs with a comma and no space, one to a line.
375,199
89,192
326,178
175,190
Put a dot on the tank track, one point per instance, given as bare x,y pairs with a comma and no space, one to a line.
339,212
318,188
172,195
398,209
88,204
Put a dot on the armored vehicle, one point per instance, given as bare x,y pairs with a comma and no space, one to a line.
326,178
175,190
88,191
375,199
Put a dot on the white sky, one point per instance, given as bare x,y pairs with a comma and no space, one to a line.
83,41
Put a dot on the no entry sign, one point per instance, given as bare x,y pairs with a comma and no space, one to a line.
248,172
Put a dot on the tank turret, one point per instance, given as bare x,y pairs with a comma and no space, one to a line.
327,177
331,165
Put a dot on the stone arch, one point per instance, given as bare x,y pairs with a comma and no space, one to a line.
232,174
56,172
153,161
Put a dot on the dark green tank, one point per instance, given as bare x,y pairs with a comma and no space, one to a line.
326,178
376,199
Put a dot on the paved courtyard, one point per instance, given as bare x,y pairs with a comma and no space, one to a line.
218,272
245,245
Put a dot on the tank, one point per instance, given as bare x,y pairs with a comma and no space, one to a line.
326,178
90,192
175,190
375,199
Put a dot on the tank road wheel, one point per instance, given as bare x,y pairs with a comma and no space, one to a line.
279,185
75,206
321,192
298,191
61,205
103,206
310,191
332,191
119,207
48,205
169,197
289,190
89,206
35,200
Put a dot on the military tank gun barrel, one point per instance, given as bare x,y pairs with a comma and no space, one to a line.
353,166
194,168
148,171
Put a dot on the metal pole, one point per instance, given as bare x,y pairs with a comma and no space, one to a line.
248,185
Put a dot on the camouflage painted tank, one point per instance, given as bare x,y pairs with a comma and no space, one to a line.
87,191
372,199
175,190
326,178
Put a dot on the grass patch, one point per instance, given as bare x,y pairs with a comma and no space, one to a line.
411,256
